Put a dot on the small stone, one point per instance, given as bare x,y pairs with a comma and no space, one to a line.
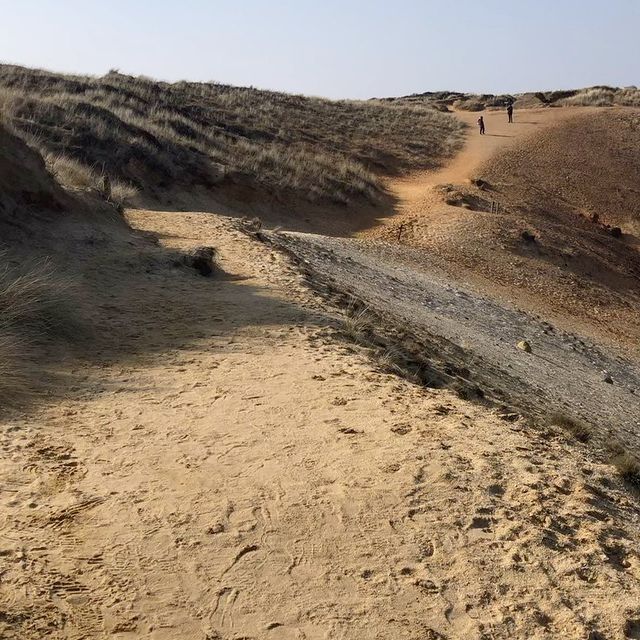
607,378
523,345
527,236
616,232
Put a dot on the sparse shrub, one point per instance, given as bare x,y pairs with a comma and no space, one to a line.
34,306
628,467
357,324
122,193
72,174
391,360
579,430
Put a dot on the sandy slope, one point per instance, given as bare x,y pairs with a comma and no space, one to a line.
254,476
465,338
574,272
415,192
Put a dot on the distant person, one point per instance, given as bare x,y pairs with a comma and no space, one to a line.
481,125
510,111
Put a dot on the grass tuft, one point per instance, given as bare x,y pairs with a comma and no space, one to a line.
34,308
357,324
579,430
75,176
628,467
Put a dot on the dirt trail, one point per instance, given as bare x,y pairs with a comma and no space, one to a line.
415,193
255,476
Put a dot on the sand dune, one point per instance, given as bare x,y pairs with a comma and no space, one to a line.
227,464
529,235
265,480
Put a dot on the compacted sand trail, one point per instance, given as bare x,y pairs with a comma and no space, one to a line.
415,194
252,475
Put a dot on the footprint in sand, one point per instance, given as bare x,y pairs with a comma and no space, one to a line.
481,523
401,429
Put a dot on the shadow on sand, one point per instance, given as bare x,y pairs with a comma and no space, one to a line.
136,301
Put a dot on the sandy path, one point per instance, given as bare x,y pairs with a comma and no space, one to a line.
262,479
415,193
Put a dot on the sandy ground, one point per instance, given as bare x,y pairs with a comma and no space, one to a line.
255,476
228,466
572,274
459,329
415,193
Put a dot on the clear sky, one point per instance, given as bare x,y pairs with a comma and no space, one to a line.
333,48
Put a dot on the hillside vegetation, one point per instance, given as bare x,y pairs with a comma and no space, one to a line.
34,299
599,96
156,137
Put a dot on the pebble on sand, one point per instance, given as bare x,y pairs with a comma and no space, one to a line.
523,345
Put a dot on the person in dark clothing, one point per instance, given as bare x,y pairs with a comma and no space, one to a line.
481,125
510,111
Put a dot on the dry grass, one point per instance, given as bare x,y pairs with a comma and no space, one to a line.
628,467
579,430
357,324
75,176
34,308
604,97
392,360
72,174
362,327
122,193
592,96
156,135
626,464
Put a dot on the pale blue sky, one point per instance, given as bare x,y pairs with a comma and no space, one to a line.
351,49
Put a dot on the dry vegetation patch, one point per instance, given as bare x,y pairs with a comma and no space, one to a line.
628,467
598,96
581,431
603,97
35,308
156,136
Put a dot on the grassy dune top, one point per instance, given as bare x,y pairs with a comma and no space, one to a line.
598,96
156,136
